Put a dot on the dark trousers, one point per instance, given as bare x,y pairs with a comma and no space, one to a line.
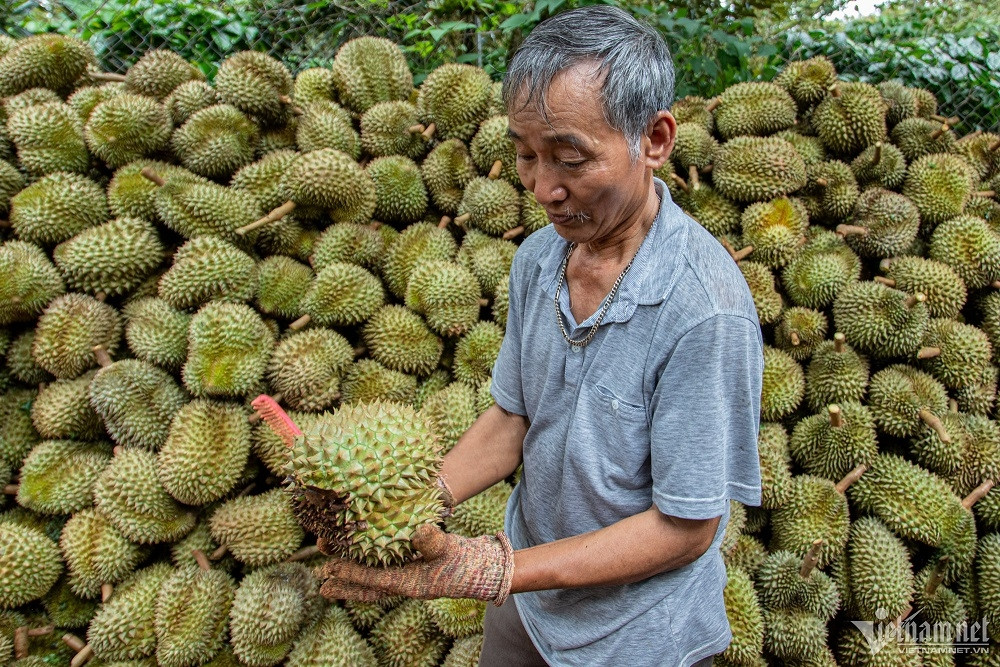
506,643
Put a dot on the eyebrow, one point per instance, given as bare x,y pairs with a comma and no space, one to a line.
570,139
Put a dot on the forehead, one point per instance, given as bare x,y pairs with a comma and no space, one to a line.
571,107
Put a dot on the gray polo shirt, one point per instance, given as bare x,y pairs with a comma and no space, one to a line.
661,407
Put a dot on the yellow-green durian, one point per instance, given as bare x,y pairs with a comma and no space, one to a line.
28,281
326,124
970,247
342,294
754,108
456,98
29,564
256,84
96,553
207,268
783,385
368,70
808,81
447,170
749,169
228,349
58,476
258,530
306,368
113,258
157,332
127,127
392,128
216,141
192,616
49,138
851,119
187,99
313,84
399,339
158,72
367,380
400,195
68,330
491,144
420,242
332,642
124,627
45,60
57,207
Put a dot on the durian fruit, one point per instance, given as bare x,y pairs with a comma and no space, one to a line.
745,619
131,496
774,230
68,330
944,289
341,294
702,202
476,352
464,652
431,384
978,394
399,339
132,195
407,636
809,147
187,99
980,458
65,609
977,149
29,98
49,138
57,207
786,581
21,365
256,84
878,573
491,145
363,245
384,477
205,452
897,649
533,215
368,70
392,128
281,284
794,633
799,331
884,224
258,530
783,385
28,281
880,165
850,119
368,381
490,205
279,138
939,185
694,109
457,617
446,294
755,108
807,81
450,412
192,614
447,170
751,169
17,435
228,349
482,514
45,61
84,99
113,258
400,195
970,247
216,141
325,124
270,608
124,626
775,465
96,553
332,642
306,368
365,615
455,97
127,127
900,102
953,352
501,302
158,72
207,268
11,182
419,243
312,84
193,207
902,399
834,187
156,332
29,564
830,445
836,374
820,270
58,476
766,298
917,137
880,320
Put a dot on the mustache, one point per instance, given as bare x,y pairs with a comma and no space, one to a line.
573,215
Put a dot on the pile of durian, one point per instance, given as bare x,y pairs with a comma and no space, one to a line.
340,241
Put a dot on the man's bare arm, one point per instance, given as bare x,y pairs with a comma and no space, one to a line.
629,550
487,453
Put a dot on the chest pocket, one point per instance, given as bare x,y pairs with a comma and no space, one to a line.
620,420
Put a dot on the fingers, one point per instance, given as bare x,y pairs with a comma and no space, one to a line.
335,589
430,541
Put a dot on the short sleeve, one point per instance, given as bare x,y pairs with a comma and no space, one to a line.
705,414
506,383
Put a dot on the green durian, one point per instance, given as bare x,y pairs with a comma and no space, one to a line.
902,399
476,352
900,101
710,209
228,349
953,352
978,395
131,195
331,180
84,99
420,242
755,109
492,144
58,476
492,206
884,224
456,98
970,247
783,385
56,208
814,509
187,99
45,60
256,84
281,283
342,294
745,618
124,627
11,182
325,124
96,553
349,242
944,289
400,195
457,617
207,268
306,368
392,128
29,564
368,70
17,434
68,330
28,281
65,609
127,127
216,141
820,270
880,575
49,138
750,169
62,410
314,84
917,137
880,320
483,513
368,380
446,294
809,147
113,258
446,171
195,208
450,411
157,332
501,303
775,465
781,584
693,109
807,81
21,365
799,331
332,642
399,339
794,634
464,652
939,185
158,73
258,530
192,615
766,298
880,165
850,119
836,374
407,636
833,443
833,184
775,229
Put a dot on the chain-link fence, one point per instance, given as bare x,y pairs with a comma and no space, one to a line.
962,71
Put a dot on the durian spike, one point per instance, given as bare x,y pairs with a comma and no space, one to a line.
822,182
305,553
888,282
977,494
681,183
106,591
713,104
106,76
985,193
462,219
102,356
947,121
693,177
811,558
794,336
299,323
495,170
742,254
11,489
839,341
277,419
934,422
836,415
445,221
877,155
851,478
150,175
416,129
938,132
851,230
937,576
914,299
201,559
517,231
273,216
483,303
952,405
254,418
428,134
928,352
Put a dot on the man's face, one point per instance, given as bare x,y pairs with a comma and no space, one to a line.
577,165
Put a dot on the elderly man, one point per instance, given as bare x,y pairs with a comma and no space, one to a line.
628,383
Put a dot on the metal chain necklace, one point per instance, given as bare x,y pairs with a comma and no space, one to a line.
607,300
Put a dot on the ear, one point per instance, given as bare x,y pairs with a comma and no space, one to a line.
660,139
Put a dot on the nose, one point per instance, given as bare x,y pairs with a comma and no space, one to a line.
547,185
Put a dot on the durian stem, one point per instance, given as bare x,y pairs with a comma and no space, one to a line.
101,296
106,76
938,132
276,214
934,422
299,323
23,635
462,219
947,121
444,222
913,299
83,657
305,553
851,230
219,553
416,129
877,155
937,576
374,224
995,146
74,642
839,340
977,494
713,104
995,284
693,177
836,415
794,337
285,99
428,134
117,450
102,356
360,351
4,224
851,478
150,175
952,405
106,591
888,282
11,489
811,559
706,170
928,352
984,193
906,612
971,136
483,303
742,254
202,559
513,233
835,90
495,170
681,183
822,182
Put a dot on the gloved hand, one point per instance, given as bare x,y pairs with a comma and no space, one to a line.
449,566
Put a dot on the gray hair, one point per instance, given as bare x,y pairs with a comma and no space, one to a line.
636,63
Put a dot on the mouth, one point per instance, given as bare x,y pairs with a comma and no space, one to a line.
564,219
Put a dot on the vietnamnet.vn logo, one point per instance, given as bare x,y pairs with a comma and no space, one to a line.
912,635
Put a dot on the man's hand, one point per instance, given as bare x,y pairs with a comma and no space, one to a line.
449,566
